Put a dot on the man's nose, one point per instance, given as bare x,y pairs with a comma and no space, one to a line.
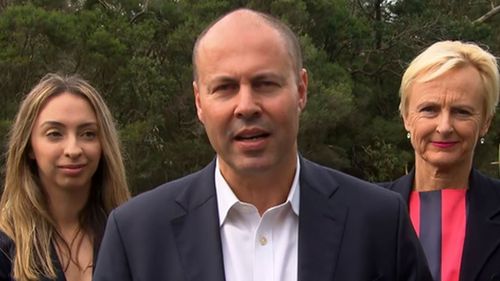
248,103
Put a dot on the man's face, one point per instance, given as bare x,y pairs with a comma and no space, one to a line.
248,97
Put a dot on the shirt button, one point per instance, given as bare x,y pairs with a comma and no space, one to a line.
263,240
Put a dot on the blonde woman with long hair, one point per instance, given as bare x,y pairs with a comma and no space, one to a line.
64,174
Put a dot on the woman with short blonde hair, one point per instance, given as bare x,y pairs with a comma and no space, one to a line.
449,94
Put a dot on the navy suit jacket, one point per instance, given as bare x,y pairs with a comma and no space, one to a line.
349,230
481,254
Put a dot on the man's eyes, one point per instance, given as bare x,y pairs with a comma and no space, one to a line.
225,87
258,86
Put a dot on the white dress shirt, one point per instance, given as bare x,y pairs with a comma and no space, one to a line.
258,248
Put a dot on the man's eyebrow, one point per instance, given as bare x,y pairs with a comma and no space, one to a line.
217,80
268,75
222,78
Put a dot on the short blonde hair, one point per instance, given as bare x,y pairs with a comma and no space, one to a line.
443,56
24,215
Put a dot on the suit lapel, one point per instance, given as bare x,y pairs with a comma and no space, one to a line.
483,226
321,225
197,230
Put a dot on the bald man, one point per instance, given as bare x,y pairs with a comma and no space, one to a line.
259,211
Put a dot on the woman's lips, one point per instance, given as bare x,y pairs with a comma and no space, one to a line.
444,144
72,170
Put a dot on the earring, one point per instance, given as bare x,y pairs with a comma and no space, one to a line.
481,140
408,135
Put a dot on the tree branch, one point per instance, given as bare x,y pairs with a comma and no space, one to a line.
105,4
488,15
142,12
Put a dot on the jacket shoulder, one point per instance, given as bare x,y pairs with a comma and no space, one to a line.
164,198
6,244
6,255
479,179
355,189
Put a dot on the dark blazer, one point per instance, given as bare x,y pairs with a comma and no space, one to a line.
6,257
481,256
7,249
349,230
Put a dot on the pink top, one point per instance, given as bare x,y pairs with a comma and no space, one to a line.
439,218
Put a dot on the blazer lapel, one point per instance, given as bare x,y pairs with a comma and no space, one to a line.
57,264
483,220
403,185
197,230
483,226
321,225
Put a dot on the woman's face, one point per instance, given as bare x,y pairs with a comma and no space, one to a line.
446,117
65,143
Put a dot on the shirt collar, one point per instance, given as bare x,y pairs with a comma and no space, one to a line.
226,197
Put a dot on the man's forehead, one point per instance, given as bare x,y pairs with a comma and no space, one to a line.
239,18
237,36
235,26
240,32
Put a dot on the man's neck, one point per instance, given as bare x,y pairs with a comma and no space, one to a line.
264,190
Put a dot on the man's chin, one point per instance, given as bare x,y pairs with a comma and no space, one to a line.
252,165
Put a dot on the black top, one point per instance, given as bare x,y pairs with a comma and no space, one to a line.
7,251
481,253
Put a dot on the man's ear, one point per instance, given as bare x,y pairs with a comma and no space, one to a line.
302,89
199,110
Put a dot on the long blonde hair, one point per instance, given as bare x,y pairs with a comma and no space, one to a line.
24,215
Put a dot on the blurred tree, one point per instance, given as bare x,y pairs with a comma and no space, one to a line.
138,54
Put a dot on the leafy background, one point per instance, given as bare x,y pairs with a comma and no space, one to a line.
138,54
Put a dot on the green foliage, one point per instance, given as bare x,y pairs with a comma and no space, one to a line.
383,161
4,130
138,55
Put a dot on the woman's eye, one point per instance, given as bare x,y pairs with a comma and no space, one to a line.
428,109
53,134
89,135
463,112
